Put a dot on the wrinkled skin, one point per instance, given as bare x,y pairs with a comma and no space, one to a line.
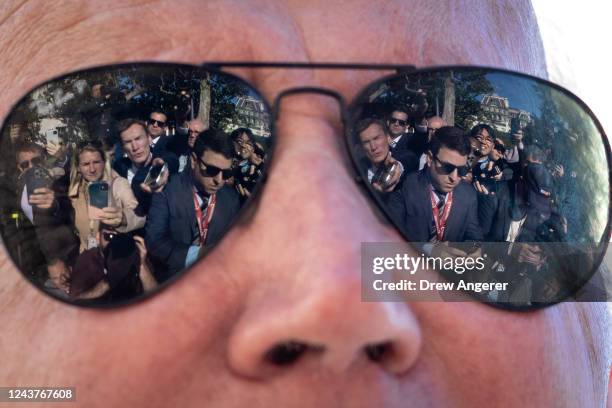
202,340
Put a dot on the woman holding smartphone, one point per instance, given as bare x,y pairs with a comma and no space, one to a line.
99,194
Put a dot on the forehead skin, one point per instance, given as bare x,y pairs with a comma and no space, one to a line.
132,133
216,159
179,348
399,115
158,116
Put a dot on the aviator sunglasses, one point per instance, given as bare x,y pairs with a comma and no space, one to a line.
209,170
158,123
566,219
448,168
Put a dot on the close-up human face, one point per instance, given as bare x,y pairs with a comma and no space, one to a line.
26,159
91,165
375,143
195,128
156,124
243,146
289,269
137,144
485,140
397,123
443,181
211,162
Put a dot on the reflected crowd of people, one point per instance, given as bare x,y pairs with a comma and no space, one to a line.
443,185
125,208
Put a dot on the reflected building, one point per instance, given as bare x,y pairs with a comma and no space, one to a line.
252,114
497,111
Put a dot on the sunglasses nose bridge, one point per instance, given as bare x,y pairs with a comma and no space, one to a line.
311,90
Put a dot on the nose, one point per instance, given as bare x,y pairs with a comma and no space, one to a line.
304,310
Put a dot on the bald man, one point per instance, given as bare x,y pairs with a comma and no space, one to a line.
434,123
181,145
273,316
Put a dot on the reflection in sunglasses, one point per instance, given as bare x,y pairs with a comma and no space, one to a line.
448,168
131,255
530,203
158,123
399,122
209,170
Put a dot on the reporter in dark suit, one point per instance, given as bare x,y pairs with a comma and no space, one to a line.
195,208
434,204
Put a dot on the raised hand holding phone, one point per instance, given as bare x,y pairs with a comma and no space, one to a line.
98,199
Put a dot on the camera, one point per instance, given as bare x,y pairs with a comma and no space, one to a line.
154,175
384,175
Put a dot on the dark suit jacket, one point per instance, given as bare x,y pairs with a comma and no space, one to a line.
413,142
172,227
410,207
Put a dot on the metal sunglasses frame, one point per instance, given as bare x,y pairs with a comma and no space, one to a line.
345,109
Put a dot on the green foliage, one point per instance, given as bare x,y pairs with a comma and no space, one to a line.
401,91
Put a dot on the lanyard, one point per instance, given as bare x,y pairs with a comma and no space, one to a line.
440,219
204,218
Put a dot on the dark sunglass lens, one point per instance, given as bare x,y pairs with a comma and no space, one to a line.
448,168
94,122
539,214
212,171
227,174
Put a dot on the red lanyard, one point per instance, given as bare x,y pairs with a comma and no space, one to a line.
440,219
204,218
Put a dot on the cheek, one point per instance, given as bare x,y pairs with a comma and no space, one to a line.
508,351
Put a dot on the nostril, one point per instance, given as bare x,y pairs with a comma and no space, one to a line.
287,353
377,352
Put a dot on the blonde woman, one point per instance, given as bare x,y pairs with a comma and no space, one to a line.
89,165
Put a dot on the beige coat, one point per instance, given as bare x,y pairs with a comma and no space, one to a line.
121,196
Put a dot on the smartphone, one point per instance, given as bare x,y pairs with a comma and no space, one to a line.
154,175
37,177
98,199
52,136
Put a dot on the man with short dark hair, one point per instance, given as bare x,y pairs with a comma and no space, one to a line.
157,124
433,205
196,207
398,125
29,155
433,123
482,139
248,161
